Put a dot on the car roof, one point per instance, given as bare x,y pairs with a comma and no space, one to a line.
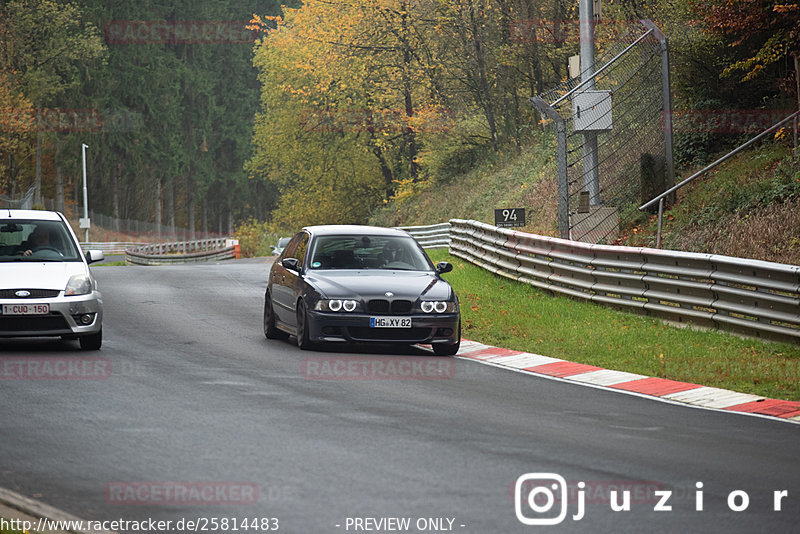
7,214
354,229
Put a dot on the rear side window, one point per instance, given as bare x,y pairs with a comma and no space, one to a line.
290,248
300,250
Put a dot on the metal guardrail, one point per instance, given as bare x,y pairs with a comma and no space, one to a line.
756,298
183,252
433,236
116,247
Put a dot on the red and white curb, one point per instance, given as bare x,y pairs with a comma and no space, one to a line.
630,383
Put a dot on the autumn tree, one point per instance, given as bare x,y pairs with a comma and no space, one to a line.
45,45
766,31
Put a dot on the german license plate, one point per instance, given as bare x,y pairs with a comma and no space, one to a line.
26,309
390,322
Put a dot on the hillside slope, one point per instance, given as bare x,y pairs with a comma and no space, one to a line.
505,181
748,207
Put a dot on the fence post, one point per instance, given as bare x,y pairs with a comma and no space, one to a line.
667,96
660,215
563,186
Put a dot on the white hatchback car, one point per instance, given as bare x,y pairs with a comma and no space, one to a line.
46,287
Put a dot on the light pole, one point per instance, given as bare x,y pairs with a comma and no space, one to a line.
84,223
591,180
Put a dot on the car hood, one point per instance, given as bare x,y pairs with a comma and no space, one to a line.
39,275
375,283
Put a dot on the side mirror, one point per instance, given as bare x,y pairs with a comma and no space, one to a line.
444,267
93,256
291,263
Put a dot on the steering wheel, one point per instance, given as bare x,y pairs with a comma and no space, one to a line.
46,247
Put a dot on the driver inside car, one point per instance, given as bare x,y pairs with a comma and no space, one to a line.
40,237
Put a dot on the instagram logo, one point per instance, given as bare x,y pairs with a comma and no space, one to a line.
535,496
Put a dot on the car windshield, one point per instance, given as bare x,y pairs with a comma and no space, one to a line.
32,240
368,252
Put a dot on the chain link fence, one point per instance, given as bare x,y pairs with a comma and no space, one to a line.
124,227
624,108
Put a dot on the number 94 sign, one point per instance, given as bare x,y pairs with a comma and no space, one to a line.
509,217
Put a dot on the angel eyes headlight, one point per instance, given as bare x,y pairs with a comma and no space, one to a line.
337,305
438,306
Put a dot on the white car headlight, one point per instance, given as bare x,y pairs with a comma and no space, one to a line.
79,284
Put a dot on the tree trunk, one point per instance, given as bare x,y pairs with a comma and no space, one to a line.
409,134
37,193
115,195
484,83
797,77
60,205
190,208
59,181
12,173
158,218
205,217
171,206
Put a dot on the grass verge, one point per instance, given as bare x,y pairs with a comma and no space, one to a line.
502,312
8,531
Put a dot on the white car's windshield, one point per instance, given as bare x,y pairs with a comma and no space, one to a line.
32,240
368,252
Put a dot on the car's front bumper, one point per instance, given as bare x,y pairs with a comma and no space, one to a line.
63,319
355,328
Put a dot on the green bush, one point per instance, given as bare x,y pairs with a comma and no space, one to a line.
455,152
256,238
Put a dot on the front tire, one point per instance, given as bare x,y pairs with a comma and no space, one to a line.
270,330
303,340
92,341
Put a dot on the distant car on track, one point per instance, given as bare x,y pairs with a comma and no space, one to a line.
360,284
280,245
46,287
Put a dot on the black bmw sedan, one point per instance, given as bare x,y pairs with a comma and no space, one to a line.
360,284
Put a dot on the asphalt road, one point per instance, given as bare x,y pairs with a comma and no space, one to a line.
196,398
